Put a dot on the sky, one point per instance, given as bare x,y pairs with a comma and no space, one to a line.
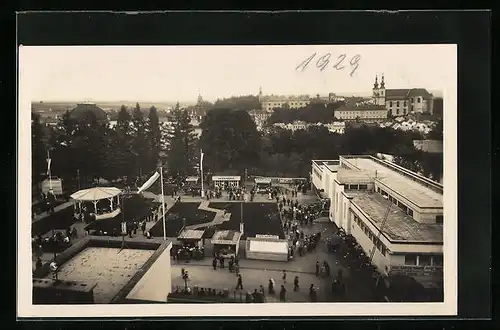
180,73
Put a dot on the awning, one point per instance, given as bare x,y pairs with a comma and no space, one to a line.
95,194
192,179
262,180
226,178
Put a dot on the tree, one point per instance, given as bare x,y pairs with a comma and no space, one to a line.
154,136
140,145
38,150
437,131
230,140
182,144
246,103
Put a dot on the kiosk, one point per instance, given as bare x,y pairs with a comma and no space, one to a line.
226,243
225,182
262,184
191,245
267,247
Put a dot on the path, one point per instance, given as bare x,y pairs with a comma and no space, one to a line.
60,207
219,218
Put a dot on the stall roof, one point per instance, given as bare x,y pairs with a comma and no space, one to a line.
226,237
95,194
192,179
226,178
191,234
263,180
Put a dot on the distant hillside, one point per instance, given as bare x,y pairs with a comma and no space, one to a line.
61,106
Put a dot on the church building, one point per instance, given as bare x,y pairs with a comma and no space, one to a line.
400,102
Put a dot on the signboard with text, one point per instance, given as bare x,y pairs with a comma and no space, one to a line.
226,178
267,236
408,270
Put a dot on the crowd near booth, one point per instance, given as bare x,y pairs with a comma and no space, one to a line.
267,247
226,182
97,203
262,184
226,243
191,245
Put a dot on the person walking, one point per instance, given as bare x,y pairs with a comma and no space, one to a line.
221,262
317,268
283,293
284,276
239,285
214,263
271,286
312,293
296,284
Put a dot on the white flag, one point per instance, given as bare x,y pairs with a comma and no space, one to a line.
48,165
201,159
149,183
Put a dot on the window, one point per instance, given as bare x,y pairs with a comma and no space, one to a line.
410,212
397,111
437,261
390,103
363,187
404,104
411,260
378,190
439,219
404,111
397,103
383,250
418,99
353,187
424,260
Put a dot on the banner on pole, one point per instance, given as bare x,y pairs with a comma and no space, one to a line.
48,165
149,183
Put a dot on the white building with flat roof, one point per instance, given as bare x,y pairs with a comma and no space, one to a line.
363,189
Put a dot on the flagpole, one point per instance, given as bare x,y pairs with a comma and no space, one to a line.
201,173
48,170
163,205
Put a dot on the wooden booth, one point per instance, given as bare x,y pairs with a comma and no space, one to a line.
191,245
226,243
262,184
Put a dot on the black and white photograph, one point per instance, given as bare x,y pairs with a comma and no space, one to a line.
237,180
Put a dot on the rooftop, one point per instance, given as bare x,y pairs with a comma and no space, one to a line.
419,190
405,93
226,237
110,268
354,177
191,234
362,107
399,226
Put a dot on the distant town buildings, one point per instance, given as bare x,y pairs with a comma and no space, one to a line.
270,102
335,127
366,112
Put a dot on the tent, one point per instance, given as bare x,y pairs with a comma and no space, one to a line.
95,194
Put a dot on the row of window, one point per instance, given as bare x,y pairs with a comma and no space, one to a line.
397,112
356,186
424,260
404,102
374,238
402,206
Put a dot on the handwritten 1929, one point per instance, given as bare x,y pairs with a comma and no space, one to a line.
323,61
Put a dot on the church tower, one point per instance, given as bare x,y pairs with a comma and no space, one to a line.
379,92
260,94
